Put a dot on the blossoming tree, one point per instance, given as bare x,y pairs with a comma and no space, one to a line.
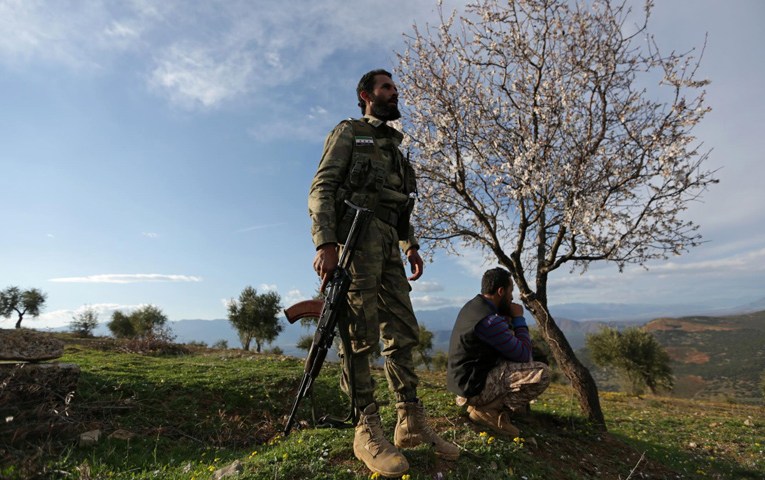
536,141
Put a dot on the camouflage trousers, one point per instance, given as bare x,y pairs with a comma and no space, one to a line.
511,384
379,308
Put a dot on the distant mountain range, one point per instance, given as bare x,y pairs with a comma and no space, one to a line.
575,319
715,352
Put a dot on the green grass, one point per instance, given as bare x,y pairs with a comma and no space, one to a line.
191,415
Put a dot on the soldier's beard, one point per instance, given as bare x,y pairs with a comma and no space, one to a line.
383,110
504,307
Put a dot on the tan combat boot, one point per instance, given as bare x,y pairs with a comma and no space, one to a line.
371,447
412,429
496,419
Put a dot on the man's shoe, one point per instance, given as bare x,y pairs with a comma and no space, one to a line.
371,447
497,420
412,429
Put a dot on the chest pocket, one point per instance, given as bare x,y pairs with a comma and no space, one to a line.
366,177
377,168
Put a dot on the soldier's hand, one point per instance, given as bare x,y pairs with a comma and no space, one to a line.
516,310
415,262
325,263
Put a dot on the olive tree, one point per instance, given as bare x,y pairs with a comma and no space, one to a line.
636,355
424,347
84,322
147,321
21,302
121,326
537,141
254,316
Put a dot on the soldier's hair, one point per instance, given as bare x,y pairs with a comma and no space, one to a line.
495,279
367,84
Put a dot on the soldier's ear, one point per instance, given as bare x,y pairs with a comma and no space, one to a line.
365,96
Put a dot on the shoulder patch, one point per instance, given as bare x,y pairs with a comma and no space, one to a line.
363,141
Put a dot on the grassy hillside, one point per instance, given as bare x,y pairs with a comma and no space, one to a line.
715,357
184,417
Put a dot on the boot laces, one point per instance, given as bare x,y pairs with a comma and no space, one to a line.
373,425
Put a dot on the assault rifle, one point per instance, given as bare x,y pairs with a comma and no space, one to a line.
329,312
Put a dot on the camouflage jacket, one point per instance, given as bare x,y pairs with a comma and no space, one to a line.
366,166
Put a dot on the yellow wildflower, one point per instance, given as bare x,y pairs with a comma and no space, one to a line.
482,434
405,476
375,475
490,440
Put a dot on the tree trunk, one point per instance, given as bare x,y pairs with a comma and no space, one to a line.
581,380
18,323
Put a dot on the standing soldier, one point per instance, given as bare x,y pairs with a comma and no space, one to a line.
362,163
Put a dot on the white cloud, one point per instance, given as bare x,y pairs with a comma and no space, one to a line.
293,296
150,234
430,302
74,35
266,287
752,261
205,56
128,278
193,76
121,30
316,113
474,261
425,286
708,280
261,227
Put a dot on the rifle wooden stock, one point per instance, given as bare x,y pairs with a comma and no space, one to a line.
304,309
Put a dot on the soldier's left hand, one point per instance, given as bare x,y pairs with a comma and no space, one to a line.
415,262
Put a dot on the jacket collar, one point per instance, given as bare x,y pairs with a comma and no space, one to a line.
374,121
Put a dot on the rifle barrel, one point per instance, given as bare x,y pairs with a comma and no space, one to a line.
305,384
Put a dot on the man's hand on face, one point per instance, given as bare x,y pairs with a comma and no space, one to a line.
415,261
325,263
516,310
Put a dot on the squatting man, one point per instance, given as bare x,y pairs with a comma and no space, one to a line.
361,162
490,366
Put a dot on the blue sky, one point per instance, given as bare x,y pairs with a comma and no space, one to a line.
161,152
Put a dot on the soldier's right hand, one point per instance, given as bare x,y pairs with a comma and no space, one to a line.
325,263
516,310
